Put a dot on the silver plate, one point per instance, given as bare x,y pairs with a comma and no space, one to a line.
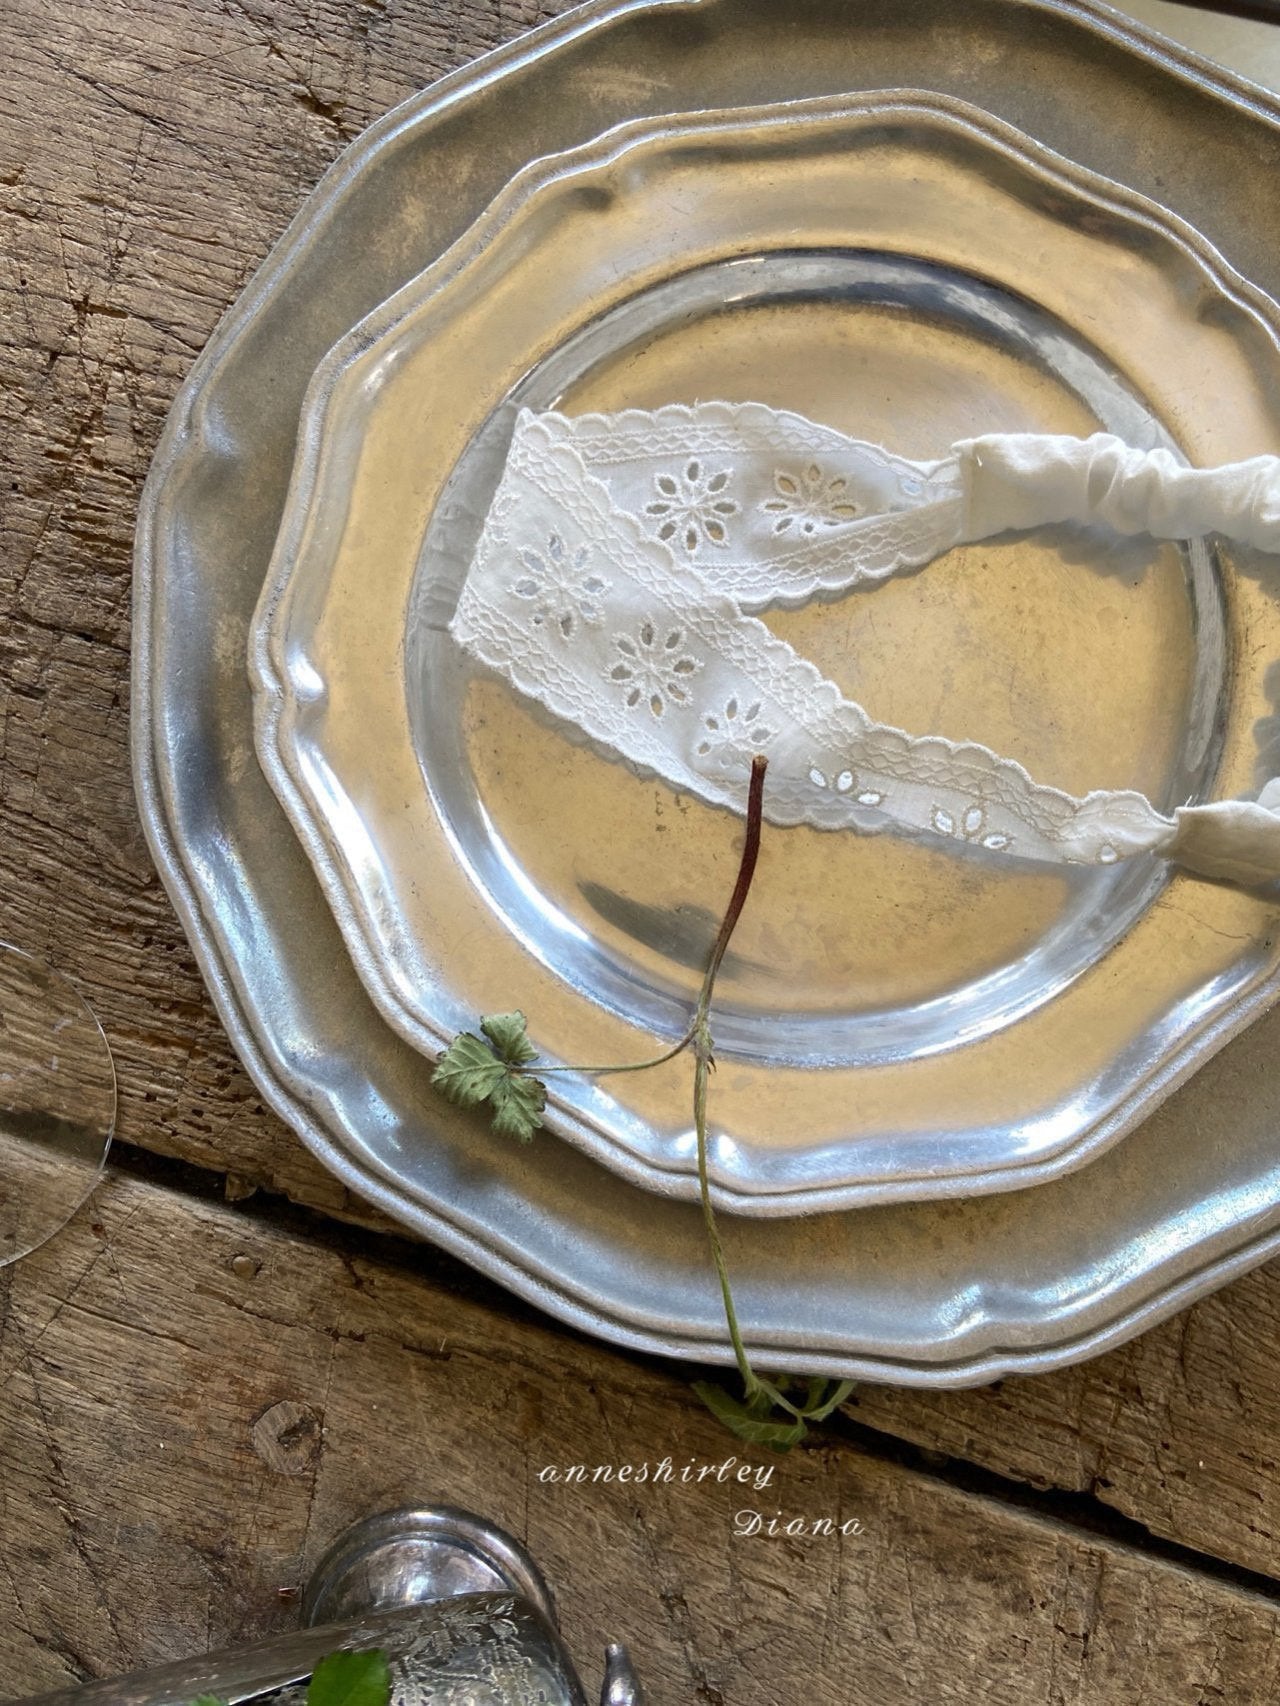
947,1293
898,1021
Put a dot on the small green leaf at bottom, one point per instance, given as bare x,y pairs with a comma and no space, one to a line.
351,1679
819,1405
746,1420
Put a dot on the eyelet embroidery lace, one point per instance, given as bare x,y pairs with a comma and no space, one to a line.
624,556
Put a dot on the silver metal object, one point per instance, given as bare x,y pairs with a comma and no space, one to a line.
975,1026
458,1606
405,1557
941,1294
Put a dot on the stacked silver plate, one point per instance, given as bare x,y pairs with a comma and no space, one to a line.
660,202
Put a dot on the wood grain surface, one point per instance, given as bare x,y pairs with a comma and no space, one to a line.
197,1400
194,1394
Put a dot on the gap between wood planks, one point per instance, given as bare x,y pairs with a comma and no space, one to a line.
1080,1512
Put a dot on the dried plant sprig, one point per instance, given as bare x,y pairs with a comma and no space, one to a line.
495,1069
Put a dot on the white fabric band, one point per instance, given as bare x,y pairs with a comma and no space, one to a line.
623,556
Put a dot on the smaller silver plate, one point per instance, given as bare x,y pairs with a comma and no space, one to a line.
896,1021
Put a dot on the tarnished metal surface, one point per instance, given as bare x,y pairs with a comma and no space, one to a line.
416,1553
898,1021
942,1293
478,1649
458,1607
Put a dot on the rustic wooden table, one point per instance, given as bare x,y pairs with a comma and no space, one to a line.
226,1358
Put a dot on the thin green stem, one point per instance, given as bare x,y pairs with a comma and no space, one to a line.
536,1071
701,1070
760,1393
741,888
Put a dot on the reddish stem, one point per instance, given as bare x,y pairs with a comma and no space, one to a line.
746,870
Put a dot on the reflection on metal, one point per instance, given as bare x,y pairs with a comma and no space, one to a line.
919,1294
460,1609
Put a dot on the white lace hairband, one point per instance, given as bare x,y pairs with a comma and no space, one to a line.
622,555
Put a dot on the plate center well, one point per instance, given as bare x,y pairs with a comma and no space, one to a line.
1096,662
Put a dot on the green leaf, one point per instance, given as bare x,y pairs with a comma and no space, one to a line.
745,1421
468,1071
766,1395
819,1411
506,1031
815,1388
207,1700
351,1679
517,1102
471,1075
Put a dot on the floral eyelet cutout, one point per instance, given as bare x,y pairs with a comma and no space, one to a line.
625,558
